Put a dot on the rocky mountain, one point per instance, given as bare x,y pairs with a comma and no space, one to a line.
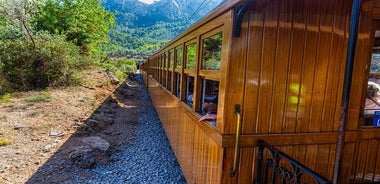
143,28
136,13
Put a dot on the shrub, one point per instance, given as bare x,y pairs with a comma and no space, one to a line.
120,67
49,61
5,98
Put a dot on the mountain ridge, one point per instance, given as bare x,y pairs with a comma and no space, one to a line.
144,28
136,13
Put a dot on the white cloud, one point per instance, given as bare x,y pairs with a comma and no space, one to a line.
149,1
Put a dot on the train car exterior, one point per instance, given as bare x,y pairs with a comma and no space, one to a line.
273,70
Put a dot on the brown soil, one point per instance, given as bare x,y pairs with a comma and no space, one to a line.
38,130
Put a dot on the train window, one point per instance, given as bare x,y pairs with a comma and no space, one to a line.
161,71
211,52
209,101
170,81
170,69
191,56
177,84
171,55
179,53
164,61
189,90
372,101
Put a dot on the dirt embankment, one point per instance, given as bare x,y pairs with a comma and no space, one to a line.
35,124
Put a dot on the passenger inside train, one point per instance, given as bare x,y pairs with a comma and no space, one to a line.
372,102
209,103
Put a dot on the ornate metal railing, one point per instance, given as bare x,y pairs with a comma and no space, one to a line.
294,173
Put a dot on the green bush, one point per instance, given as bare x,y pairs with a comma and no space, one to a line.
5,98
48,61
120,67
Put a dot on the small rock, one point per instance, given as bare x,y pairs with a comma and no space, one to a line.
97,143
83,156
3,167
48,147
113,79
56,133
18,127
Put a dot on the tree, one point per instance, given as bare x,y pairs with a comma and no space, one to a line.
84,22
16,16
30,58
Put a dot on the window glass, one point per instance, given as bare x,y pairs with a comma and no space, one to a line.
164,60
178,85
209,101
164,78
372,103
171,59
211,52
189,90
170,81
179,57
191,56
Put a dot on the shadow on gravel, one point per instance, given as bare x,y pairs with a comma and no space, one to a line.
121,142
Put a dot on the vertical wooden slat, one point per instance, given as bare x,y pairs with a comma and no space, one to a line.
235,90
308,66
377,167
323,159
371,157
281,65
321,65
245,165
295,66
227,165
266,71
253,65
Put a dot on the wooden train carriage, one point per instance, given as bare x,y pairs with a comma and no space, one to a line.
273,70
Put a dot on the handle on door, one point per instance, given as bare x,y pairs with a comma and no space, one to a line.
238,127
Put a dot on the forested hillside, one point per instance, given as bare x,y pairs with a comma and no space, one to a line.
143,28
46,42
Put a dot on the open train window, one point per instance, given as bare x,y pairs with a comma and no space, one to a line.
164,70
189,90
372,101
191,52
179,57
170,70
171,59
177,91
209,101
170,81
211,52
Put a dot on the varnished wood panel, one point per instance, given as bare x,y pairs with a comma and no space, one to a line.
235,84
284,35
200,157
254,50
286,70
292,67
315,156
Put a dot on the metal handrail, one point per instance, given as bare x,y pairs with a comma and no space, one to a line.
238,128
293,176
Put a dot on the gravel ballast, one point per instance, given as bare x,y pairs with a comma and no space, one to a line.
143,155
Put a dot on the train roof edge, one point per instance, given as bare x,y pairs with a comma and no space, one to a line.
220,9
